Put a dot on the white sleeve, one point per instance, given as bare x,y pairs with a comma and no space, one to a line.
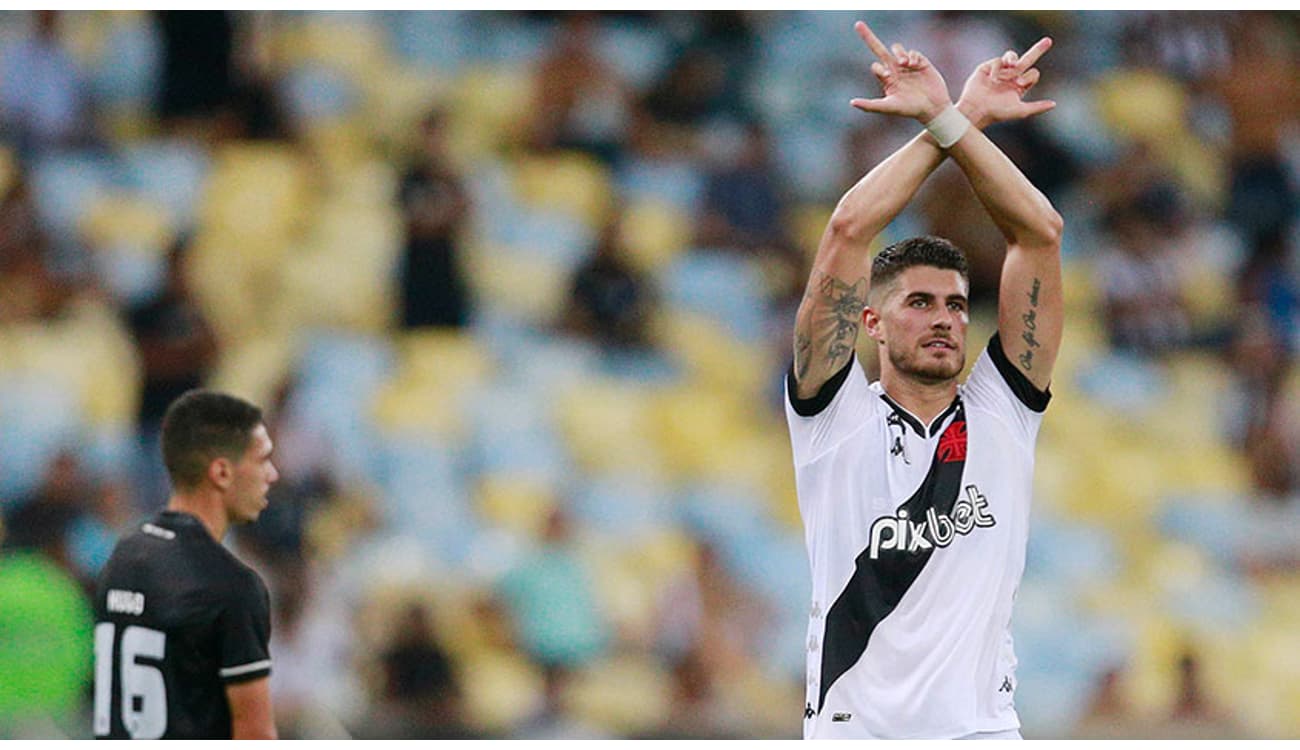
843,405
999,386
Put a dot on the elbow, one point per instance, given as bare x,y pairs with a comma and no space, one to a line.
845,229
1048,230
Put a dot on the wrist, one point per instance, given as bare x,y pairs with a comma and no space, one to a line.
926,117
948,126
975,113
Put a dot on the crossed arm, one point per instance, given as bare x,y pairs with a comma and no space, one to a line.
830,315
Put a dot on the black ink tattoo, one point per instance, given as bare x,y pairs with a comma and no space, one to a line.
837,314
802,350
1030,319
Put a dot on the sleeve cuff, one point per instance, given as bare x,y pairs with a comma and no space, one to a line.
811,407
245,672
1017,381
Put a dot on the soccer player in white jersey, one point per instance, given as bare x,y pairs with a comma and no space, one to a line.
915,490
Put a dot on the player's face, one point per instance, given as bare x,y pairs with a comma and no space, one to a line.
922,324
254,475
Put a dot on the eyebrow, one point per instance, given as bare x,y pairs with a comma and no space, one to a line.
929,296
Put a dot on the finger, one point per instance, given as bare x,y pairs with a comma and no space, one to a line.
1027,80
880,70
1009,58
1033,53
876,46
900,53
1039,107
996,70
915,59
880,106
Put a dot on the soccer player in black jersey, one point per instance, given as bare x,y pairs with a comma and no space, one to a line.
182,626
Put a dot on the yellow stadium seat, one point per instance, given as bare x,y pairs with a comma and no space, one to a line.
610,426
348,43
444,357
522,284
501,690
488,109
254,366
517,503
397,99
257,195
128,222
626,694
654,233
807,224
713,356
571,183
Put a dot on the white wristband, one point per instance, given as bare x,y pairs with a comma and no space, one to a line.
948,126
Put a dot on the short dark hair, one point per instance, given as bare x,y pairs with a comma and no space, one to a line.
926,250
202,425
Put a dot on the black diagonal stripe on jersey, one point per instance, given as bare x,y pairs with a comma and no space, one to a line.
878,585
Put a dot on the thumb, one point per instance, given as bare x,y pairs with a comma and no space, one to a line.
1039,107
881,106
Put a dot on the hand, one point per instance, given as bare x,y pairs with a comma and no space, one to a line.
913,87
995,91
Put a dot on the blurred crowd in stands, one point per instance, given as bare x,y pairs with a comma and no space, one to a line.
517,290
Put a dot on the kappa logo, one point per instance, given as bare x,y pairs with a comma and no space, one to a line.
841,717
900,532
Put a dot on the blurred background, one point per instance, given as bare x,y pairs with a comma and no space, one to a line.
517,291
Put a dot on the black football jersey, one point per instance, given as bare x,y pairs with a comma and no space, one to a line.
177,618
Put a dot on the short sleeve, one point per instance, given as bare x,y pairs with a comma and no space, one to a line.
997,385
843,405
245,632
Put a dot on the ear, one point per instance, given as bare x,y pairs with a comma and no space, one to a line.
873,324
221,472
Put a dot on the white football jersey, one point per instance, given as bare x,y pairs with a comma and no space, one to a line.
916,538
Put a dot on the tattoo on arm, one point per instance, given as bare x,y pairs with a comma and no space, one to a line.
802,350
836,316
1030,319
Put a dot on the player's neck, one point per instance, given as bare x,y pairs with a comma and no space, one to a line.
209,511
925,400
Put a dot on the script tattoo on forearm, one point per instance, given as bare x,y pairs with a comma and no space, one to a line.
837,314
1030,319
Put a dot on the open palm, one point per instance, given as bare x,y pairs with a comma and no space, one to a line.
912,86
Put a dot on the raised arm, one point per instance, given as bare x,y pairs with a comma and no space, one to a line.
1030,307
830,315
826,327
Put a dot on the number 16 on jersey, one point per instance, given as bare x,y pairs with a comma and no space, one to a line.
141,686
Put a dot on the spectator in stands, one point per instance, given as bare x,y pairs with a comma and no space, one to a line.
708,76
41,522
432,288
197,75
744,204
579,102
1140,277
610,300
178,348
1258,89
44,101
552,602
28,289
421,694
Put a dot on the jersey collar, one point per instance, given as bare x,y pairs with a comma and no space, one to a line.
915,422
